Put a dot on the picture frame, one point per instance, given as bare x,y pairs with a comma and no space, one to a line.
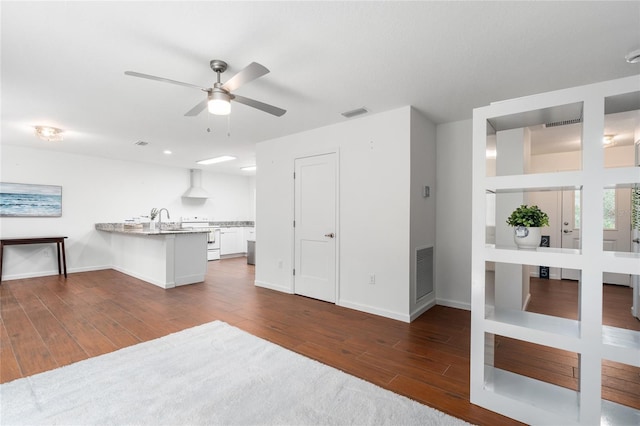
30,200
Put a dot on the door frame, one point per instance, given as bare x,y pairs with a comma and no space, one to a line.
307,154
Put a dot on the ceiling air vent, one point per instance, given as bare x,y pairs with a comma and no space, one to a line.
354,112
563,122
141,143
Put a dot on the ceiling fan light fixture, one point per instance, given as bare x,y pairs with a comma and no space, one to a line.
49,134
219,103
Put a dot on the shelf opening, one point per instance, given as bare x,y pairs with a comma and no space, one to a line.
545,377
538,141
621,130
621,386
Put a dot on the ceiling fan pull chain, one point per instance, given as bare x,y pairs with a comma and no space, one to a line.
229,125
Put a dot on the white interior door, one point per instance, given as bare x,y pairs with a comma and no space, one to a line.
315,227
570,230
616,229
617,236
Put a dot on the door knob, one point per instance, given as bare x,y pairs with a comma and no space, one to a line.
566,231
636,240
330,235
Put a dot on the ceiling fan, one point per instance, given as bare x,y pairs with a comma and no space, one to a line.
219,97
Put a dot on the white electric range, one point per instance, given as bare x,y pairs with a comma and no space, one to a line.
213,242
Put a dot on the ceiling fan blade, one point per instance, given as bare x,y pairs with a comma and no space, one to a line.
197,109
249,73
165,80
278,112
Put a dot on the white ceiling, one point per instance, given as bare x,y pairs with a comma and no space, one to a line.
63,64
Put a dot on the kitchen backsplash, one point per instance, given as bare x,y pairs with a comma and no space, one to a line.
232,223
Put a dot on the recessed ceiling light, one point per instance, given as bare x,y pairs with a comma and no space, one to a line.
248,168
166,151
49,134
216,160
633,57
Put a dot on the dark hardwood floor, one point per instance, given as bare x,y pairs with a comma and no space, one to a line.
50,322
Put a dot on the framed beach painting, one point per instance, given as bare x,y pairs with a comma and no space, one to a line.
24,199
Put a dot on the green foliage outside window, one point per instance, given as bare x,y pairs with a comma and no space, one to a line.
609,209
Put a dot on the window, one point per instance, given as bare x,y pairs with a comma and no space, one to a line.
609,203
609,213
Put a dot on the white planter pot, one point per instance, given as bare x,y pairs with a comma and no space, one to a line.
527,238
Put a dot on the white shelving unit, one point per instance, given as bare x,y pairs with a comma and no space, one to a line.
519,397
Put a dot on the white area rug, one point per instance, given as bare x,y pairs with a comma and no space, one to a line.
210,374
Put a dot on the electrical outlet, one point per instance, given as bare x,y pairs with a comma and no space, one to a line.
280,263
372,279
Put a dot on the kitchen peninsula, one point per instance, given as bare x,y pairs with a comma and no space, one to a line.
167,257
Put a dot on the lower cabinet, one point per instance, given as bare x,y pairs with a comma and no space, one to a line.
233,240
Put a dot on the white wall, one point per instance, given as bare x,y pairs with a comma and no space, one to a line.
423,210
103,190
374,209
453,214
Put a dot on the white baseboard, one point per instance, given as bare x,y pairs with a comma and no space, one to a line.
51,272
424,307
148,280
374,310
454,304
272,286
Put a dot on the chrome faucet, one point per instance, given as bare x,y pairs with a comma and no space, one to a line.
160,217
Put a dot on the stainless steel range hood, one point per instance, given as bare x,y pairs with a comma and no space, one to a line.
196,190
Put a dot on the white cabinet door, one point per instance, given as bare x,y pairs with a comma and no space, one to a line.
228,240
233,240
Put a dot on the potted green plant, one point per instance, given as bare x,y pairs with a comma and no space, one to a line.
527,221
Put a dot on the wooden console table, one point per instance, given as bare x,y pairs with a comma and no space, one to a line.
59,241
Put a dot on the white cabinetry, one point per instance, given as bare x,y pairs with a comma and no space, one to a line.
163,259
232,240
492,385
